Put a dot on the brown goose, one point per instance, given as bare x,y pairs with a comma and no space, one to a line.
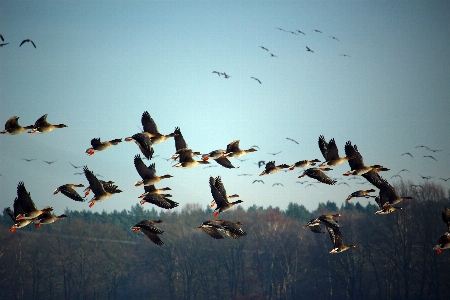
148,174
338,241
69,191
357,163
385,208
23,204
180,144
220,199
233,150
361,193
444,241
150,230
159,200
99,146
42,126
215,227
186,159
218,156
271,168
221,188
151,189
101,191
317,173
12,126
144,143
304,164
327,220
48,218
388,193
150,127
330,153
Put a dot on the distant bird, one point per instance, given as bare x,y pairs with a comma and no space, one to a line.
430,157
42,126
281,29
102,191
345,55
334,38
426,177
69,191
256,79
445,179
317,173
317,31
12,126
396,176
215,227
407,153
210,167
271,55
3,44
261,163
218,73
277,184
434,150
404,170
292,140
361,193
301,182
219,197
299,31
258,180
225,75
49,162
271,168
255,146
29,159
344,183
2,38
245,174
148,228
331,153
148,174
274,153
422,146
264,48
338,241
233,150
309,50
27,40
310,184
76,167
160,200
304,164
242,160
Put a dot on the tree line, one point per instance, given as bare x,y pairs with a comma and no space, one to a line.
97,256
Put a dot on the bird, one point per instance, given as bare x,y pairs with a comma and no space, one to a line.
334,38
221,188
361,193
12,126
304,164
144,143
271,55
234,151
148,228
3,44
181,145
256,79
430,157
186,159
42,126
396,175
443,243
49,162
281,29
356,162
331,153
215,227
23,205
271,168
2,38
218,73
69,191
246,174
264,48
404,170
434,150
388,193
426,177
28,159
29,41
309,50
261,163
148,174
76,167
48,218
445,179
316,30
30,211
160,200
422,146
277,183
219,197
407,153
317,173
345,55
274,153
338,241
151,189
101,191
344,183
97,145
292,140
299,31
258,180
310,184
151,130
217,155
327,220
301,182
385,208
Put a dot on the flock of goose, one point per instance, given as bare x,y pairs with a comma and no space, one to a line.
25,211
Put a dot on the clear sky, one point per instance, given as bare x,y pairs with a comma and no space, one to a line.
99,65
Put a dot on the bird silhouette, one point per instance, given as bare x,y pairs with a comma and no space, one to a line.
407,153
309,50
256,79
27,40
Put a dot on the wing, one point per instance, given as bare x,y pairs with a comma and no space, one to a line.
357,162
332,235
24,198
160,201
71,193
217,195
233,228
332,149
94,183
338,238
329,222
95,142
145,144
387,192
180,143
148,124
321,176
141,168
323,145
151,235
316,228
10,213
40,121
233,146
12,123
270,166
446,217
213,232
374,178
224,162
220,187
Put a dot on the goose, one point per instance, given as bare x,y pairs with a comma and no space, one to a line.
69,191
271,168
150,127
215,227
186,160
101,191
148,228
12,126
233,150
338,241
27,41
361,193
317,173
219,197
42,126
304,164
217,155
385,208
99,146
327,220
331,153
144,143
160,200
23,204
356,162
151,189
221,188
148,174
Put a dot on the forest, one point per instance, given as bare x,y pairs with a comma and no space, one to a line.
97,256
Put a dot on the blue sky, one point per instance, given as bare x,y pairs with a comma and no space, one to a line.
99,65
